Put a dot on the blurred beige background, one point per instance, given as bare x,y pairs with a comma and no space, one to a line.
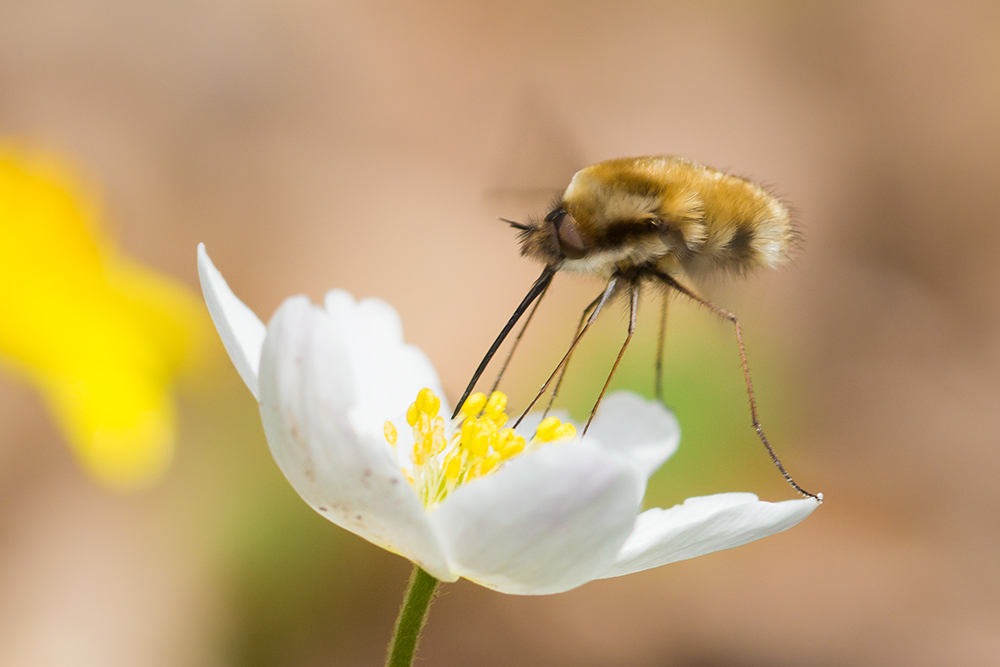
370,147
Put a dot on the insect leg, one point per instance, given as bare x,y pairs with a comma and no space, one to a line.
634,297
517,339
725,314
608,291
562,373
537,288
660,345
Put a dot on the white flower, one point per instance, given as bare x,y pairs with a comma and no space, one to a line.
545,515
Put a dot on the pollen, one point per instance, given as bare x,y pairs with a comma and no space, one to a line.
479,443
390,433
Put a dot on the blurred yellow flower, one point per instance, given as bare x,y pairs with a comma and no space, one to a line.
100,336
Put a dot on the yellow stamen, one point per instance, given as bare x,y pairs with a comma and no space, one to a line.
412,414
488,464
482,444
439,441
470,427
428,403
453,468
496,405
565,431
552,430
474,404
504,437
547,429
510,444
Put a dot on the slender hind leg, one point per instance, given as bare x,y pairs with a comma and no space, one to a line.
562,373
608,291
725,314
634,310
660,345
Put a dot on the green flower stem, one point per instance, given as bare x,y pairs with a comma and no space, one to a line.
412,616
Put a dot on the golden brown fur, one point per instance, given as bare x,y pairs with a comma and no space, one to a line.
665,214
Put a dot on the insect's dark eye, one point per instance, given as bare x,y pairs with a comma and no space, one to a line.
570,241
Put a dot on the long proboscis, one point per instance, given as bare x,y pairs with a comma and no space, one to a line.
540,284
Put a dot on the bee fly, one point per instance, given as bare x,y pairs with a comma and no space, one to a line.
634,221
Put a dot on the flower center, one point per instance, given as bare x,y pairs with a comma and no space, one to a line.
477,446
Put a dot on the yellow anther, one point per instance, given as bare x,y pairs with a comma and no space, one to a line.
470,427
453,468
547,429
439,443
490,428
504,436
480,443
412,414
497,404
390,433
428,403
489,463
474,404
499,420
512,447
565,432
418,453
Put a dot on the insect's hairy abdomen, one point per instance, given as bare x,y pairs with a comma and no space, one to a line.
747,227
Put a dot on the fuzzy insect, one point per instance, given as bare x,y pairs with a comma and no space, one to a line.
643,220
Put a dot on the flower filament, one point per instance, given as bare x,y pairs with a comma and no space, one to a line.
479,443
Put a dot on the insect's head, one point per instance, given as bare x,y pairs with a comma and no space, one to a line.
553,239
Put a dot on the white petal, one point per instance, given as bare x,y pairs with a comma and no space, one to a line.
702,525
546,522
241,331
308,391
388,372
645,431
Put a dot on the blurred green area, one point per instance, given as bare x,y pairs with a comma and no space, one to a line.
302,588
